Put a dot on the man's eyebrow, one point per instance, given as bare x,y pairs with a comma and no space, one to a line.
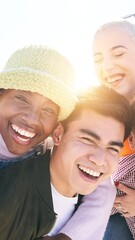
113,48
94,135
119,144
90,133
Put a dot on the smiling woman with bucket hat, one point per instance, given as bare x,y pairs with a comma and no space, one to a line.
46,75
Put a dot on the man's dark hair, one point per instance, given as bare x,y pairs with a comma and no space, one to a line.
106,102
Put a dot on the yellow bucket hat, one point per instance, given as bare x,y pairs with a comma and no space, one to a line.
42,70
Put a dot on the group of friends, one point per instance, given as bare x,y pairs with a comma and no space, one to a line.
80,185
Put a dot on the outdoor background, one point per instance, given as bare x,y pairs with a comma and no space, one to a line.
67,25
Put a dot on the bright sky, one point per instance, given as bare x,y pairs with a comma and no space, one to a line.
67,25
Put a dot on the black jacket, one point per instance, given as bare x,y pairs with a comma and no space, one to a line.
26,208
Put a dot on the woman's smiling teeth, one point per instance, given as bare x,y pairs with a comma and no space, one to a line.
114,78
88,171
23,133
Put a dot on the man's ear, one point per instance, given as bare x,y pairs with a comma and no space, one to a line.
131,140
57,134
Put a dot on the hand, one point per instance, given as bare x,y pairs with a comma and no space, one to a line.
125,204
59,236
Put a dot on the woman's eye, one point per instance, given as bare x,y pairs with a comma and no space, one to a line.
50,111
98,60
22,99
118,54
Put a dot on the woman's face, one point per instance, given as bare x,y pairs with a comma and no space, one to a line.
114,59
26,119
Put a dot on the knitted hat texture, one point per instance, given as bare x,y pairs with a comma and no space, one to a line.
42,70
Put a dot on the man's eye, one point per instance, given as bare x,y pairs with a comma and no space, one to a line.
115,150
87,140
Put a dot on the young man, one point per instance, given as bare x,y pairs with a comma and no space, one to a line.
86,152
114,57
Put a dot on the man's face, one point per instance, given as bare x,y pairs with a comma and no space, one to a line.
88,153
26,119
114,59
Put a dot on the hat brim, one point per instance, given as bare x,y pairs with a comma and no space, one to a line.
55,90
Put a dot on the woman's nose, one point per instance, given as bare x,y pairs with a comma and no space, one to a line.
31,117
108,64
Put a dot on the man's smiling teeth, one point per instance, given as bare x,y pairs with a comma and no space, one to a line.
88,171
22,131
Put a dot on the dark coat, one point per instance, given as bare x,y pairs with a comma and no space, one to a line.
26,208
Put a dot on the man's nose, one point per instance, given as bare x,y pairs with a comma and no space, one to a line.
98,157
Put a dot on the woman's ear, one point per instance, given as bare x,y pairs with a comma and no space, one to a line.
131,140
57,134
